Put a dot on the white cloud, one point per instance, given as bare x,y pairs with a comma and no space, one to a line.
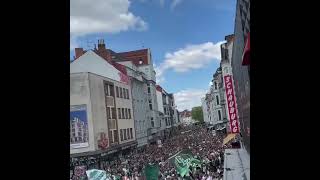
175,3
103,16
191,57
159,74
189,98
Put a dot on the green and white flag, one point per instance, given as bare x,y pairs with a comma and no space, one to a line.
95,174
183,160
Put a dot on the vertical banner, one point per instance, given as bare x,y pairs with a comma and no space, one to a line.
232,109
79,135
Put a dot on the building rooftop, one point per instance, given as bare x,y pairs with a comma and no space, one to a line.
138,57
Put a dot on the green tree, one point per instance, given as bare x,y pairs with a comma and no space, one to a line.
197,114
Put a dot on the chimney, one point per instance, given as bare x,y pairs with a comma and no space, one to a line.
102,51
78,52
101,44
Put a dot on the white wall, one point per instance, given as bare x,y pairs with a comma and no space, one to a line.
79,95
149,71
91,62
99,113
140,105
159,101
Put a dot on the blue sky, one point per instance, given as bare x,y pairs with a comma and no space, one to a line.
183,35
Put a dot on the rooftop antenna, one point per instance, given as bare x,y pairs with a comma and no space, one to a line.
90,44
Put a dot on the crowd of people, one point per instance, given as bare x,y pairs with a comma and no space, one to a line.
203,144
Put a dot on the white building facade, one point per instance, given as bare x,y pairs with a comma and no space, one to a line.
105,97
215,110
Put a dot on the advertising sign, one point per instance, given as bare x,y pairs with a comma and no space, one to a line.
79,135
232,109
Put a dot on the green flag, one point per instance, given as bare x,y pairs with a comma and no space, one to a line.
183,160
151,172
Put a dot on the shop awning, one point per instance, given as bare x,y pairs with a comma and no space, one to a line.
246,52
228,138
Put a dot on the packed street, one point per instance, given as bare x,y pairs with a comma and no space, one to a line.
202,143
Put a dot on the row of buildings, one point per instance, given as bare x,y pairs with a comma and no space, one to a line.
233,75
214,105
115,103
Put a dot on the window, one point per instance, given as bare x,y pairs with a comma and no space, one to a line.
106,89
219,114
111,88
128,94
117,91
123,117
217,98
126,112
131,133
110,136
152,122
150,104
226,69
113,113
125,134
129,112
115,135
128,134
119,113
120,92
215,85
121,135
108,113
124,93
149,90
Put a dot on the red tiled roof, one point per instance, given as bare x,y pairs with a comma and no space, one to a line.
159,88
136,56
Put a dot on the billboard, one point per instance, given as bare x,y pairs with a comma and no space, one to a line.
79,134
232,109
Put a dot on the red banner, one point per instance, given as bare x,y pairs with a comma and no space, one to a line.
232,108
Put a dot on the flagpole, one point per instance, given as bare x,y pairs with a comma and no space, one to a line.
173,155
